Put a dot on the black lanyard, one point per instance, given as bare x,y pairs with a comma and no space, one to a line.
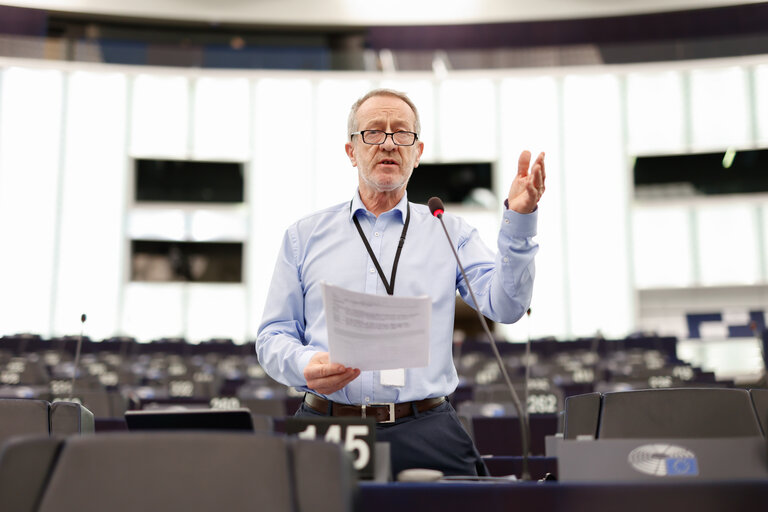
390,286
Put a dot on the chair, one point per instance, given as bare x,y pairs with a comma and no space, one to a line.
20,416
68,418
760,401
274,407
24,466
183,471
102,403
664,413
582,413
323,475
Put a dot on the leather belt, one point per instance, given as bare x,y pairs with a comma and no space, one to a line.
383,413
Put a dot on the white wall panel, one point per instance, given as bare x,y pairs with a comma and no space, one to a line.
335,179
90,275
467,121
221,117
719,108
280,184
528,120
218,226
728,249
596,206
585,265
761,103
160,117
154,310
157,224
30,131
655,113
662,247
216,311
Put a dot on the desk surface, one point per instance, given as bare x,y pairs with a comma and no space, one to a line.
697,496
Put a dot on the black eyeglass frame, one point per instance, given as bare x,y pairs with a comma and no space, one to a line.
386,134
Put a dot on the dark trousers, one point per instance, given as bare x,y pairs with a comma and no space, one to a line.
433,439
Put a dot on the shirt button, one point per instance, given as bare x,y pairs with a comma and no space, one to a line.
506,221
372,270
506,260
376,234
367,399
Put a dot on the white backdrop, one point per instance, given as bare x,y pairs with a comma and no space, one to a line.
69,132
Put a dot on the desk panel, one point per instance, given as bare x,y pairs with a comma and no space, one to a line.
555,497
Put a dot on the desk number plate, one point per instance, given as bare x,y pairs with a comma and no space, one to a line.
357,435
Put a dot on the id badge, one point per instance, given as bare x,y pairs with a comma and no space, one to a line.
395,378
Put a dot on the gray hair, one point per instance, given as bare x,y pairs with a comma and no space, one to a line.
352,120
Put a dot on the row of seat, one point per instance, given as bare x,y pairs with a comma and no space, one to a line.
39,417
573,368
670,413
666,413
175,472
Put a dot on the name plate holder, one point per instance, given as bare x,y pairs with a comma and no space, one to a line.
662,459
358,437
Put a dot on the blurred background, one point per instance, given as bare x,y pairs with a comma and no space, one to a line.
152,154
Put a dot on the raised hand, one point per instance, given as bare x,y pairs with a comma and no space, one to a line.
527,187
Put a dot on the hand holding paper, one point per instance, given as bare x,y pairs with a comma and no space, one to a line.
326,377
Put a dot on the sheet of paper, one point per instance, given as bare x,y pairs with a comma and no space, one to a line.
377,332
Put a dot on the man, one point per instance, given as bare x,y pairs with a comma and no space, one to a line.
354,245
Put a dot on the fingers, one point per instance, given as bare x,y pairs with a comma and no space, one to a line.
333,383
326,377
523,163
538,173
527,187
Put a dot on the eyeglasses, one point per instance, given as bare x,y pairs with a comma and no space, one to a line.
378,137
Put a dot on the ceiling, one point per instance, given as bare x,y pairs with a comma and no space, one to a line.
367,12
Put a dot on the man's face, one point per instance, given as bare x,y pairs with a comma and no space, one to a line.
385,167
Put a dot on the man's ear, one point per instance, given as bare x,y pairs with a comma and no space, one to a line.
350,149
418,156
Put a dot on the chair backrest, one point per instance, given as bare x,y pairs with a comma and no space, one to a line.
70,418
263,423
678,413
323,477
182,471
25,463
20,416
171,472
582,413
760,401
274,407
98,402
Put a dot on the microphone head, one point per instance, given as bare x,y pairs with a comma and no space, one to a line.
436,206
82,318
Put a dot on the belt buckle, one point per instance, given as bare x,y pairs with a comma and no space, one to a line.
390,406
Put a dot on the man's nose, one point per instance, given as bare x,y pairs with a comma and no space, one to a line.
389,142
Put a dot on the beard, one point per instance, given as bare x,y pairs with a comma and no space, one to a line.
385,183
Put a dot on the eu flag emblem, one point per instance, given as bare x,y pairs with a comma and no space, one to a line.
682,466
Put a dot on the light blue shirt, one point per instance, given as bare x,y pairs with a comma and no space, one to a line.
326,246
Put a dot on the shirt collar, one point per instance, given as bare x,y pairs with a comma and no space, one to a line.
357,205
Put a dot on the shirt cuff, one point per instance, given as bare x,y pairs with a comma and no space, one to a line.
519,225
303,361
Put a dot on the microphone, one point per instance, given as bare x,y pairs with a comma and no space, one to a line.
77,354
436,207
